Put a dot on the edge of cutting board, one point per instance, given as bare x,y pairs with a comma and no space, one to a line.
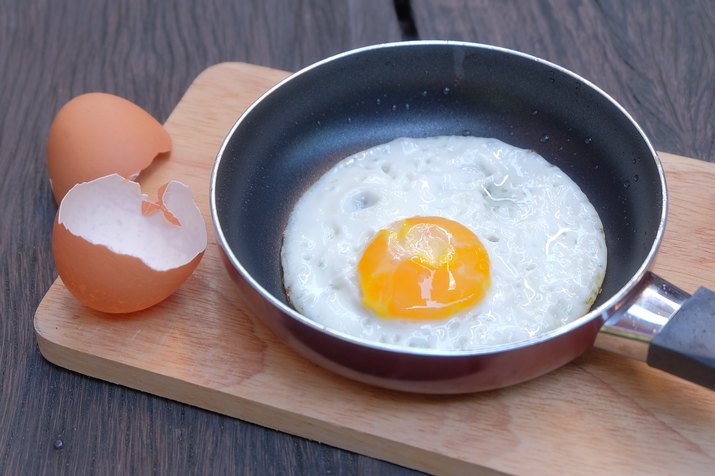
203,347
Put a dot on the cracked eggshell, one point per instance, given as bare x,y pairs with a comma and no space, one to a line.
118,252
97,134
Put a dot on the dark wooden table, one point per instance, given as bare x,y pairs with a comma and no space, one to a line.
657,58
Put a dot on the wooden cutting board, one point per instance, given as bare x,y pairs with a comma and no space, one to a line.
203,347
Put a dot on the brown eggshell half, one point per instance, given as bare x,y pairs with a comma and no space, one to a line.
108,282
116,282
96,134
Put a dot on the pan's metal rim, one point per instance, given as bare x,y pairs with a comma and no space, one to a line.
603,311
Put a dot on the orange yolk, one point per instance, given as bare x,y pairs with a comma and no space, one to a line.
423,268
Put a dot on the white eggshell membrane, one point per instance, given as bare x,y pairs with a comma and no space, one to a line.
108,211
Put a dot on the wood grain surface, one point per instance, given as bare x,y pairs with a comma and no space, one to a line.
657,57
205,347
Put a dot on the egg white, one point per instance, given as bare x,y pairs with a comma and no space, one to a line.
544,238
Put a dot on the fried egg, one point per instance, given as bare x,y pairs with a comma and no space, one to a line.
445,243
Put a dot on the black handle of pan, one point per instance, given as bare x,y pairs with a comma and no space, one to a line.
685,346
666,327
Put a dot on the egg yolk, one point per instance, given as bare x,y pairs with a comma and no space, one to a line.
423,268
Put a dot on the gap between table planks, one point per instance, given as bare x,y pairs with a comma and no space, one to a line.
202,346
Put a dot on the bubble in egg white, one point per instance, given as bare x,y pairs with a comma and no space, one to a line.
544,239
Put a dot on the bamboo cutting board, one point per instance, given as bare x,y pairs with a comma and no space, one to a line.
203,347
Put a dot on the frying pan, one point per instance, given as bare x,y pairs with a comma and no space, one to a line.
355,100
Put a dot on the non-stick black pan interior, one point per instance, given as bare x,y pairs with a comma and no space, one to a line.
359,100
